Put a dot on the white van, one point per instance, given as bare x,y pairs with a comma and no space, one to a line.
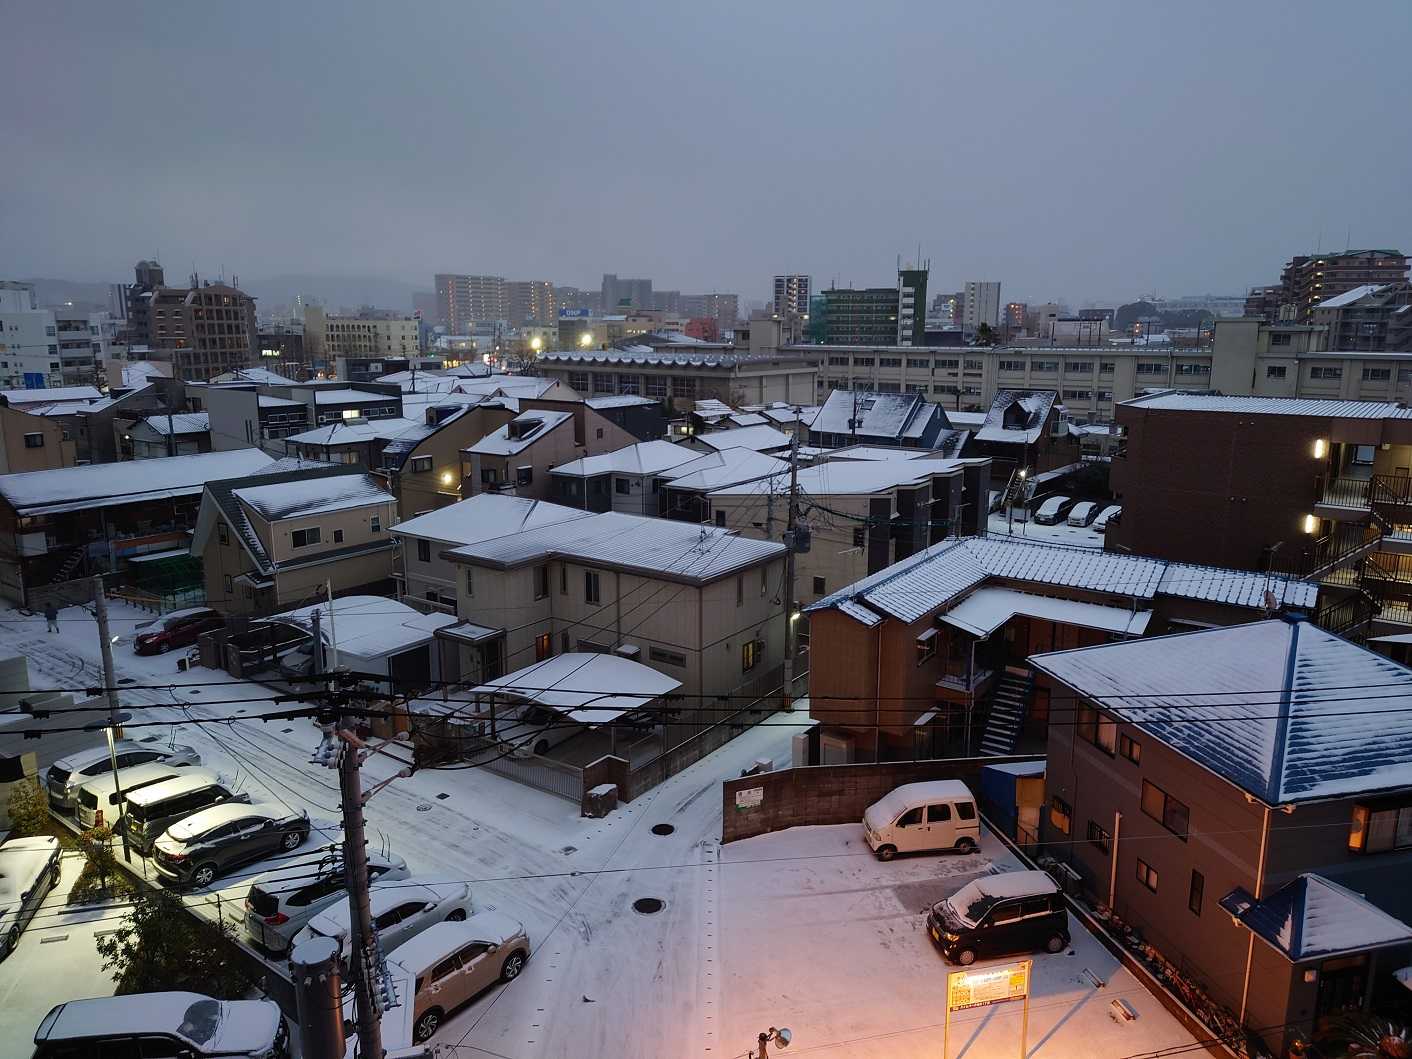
922,817
1107,515
1051,512
1082,513
98,800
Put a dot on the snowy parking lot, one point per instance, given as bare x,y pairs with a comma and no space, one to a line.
802,928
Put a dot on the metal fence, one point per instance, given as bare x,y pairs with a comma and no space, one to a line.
542,773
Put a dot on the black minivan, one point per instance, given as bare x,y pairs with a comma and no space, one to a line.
151,810
998,915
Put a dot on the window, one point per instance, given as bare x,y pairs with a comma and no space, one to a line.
222,533
1196,893
671,658
578,380
859,536
488,476
1099,838
1369,375
563,579
590,587
524,475
889,362
1078,367
1012,365
445,968
1193,369
1093,727
470,582
764,582
1326,373
302,538
1275,371
34,441
1149,368
1147,875
918,362
1060,814
1130,748
620,486
423,551
229,588
543,646
1280,338
965,810
419,464
1166,810
938,814
750,654
1048,366
739,589
1106,367
838,362
862,362
819,588
720,518
948,364
655,385
974,365
375,524
338,536
926,646
911,818
541,581
1379,829
1078,395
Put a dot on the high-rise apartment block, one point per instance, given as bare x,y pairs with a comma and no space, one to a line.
463,301
877,316
625,293
1309,279
982,305
204,330
1015,313
1369,319
792,295
531,301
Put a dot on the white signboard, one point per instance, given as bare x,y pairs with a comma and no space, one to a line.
750,798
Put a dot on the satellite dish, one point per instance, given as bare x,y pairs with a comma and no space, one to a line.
783,1037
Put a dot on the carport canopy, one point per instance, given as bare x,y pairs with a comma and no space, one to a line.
587,687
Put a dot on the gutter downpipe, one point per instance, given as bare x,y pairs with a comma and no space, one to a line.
877,700
1259,885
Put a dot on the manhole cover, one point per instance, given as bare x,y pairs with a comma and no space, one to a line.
662,829
194,691
647,905
425,807
442,796
569,849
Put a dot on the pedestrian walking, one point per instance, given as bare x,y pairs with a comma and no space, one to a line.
51,615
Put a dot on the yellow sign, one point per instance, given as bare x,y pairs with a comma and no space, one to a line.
993,985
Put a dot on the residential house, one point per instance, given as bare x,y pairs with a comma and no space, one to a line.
857,417
180,434
863,514
423,464
426,578
927,657
60,527
272,541
32,443
759,437
1027,430
547,433
359,442
625,480
684,490
1242,798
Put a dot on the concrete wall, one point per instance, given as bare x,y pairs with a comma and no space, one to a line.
56,450
835,794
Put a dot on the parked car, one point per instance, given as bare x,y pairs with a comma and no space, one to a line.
201,847
175,1024
98,799
923,817
281,902
29,869
1111,513
151,810
1052,511
68,774
453,963
1082,513
400,910
180,628
996,915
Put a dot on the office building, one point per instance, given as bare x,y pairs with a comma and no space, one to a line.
625,293
370,333
982,305
530,301
792,295
464,301
878,316
1309,279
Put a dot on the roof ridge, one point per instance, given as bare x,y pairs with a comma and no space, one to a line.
1275,784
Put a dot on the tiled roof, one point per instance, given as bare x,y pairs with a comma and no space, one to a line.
760,438
1274,707
1311,917
1178,401
1025,422
486,515
646,457
300,497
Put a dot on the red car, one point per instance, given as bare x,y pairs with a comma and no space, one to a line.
180,628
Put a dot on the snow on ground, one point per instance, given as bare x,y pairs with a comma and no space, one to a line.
58,944
1081,537
803,928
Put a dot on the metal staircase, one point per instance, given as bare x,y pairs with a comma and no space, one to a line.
70,565
1009,704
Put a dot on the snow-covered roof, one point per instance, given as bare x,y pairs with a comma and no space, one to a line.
784,414
139,373
711,406
181,423
747,419
509,385
1017,416
878,415
646,457
1266,706
520,433
943,573
50,395
22,862
259,375
367,626
761,438
216,1027
483,516
715,470
134,481
1312,917
356,431
850,477
351,396
987,609
704,358
660,546
623,400
591,688
968,420
1178,401
266,401
313,496
420,952
877,452
1338,301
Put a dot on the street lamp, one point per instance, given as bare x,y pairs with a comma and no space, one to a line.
780,1036
586,339
536,343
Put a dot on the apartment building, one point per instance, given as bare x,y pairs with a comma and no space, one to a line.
858,417
981,305
180,434
927,657
865,513
531,301
1322,488
627,294
1371,318
203,330
1309,279
892,316
1229,798
372,334
271,541
33,443
792,295
463,301
516,458
49,347
626,480
683,374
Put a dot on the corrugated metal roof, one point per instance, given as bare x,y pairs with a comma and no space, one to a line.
758,438
1311,917
1272,706
313,496
1176,401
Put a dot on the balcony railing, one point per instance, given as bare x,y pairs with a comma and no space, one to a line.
1345,492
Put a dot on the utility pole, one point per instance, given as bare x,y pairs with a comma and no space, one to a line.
171,430
791,539
362,957
318,998
110,685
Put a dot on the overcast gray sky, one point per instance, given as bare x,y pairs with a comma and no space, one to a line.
1083,150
